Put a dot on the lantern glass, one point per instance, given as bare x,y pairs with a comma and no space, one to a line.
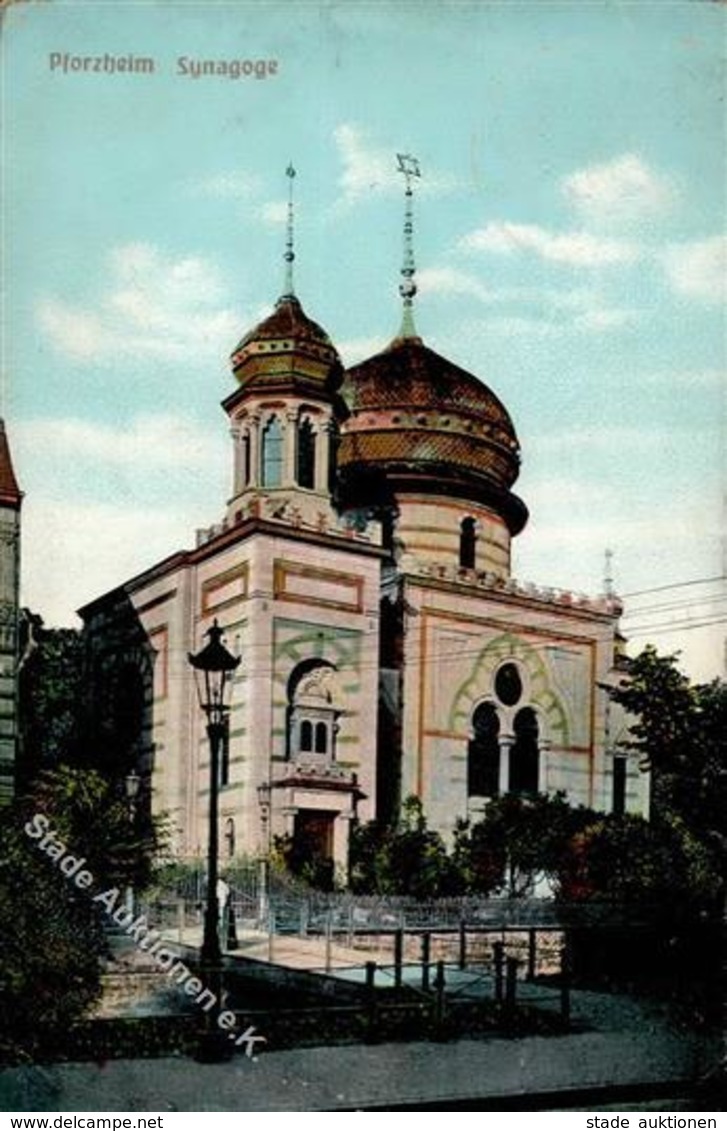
132,783
213,666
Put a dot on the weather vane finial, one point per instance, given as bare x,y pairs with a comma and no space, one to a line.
289,256
409,166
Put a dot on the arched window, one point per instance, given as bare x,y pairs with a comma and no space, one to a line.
312,712
467,540
305,471
245,461
483,755
525,753
272,461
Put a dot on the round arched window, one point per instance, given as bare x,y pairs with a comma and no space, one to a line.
508,685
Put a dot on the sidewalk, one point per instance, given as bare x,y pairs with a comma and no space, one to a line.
621,1041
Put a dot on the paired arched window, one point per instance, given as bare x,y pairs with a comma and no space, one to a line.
305,470
272,453
488,745
467,541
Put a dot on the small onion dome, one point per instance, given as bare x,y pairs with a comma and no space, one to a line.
419,424
287,352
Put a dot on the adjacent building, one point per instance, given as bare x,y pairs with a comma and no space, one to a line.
10,506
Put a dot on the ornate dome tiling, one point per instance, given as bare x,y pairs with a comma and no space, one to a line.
417,421
287,348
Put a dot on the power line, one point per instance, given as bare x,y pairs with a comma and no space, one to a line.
648,610
674,585
675,626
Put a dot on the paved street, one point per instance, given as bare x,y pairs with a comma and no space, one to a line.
326,1079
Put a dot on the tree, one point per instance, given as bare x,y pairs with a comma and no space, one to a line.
519,840
679,731
50,690
92,816
409,859
52,932
52,945
627,860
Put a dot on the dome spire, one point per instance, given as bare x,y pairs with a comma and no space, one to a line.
289,257
409,166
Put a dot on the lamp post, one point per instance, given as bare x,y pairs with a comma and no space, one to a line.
263,796
132,784
213,666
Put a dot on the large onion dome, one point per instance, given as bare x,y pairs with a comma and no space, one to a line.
420,424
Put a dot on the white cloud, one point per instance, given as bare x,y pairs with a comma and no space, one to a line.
685,378
78,334
605,318
602,438
619,191
369,168
274,212
151,442
108,544
154,306
355,350
232,185
574,249
569,317
577,309
564,491
698,268
451,281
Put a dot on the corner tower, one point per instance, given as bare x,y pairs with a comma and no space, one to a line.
10,504
286,411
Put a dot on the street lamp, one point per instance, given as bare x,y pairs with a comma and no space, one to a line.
213,666
132,785
263,796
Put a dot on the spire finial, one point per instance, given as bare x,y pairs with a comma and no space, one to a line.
289,256
608,574
409,166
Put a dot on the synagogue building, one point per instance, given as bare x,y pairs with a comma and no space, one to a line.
361,569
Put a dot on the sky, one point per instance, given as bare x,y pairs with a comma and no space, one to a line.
570,241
